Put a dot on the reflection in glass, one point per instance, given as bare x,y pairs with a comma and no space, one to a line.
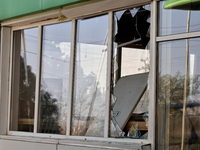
175,20
90,77
130,69
192,116
54,78
172,65
25,46
170,92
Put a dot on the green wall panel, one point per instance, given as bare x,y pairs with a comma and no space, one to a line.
15,8
47,4
182,4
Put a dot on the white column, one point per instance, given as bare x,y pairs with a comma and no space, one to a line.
152,77
4,77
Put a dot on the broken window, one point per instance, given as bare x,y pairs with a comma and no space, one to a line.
49,85
130,72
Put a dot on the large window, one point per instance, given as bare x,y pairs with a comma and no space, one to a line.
178,91
87,77
41,107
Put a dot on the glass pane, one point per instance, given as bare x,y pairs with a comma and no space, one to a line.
25,45
175,20
90,77
171,75
192,116
130,71
54,78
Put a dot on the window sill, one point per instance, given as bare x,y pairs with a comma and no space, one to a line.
70,142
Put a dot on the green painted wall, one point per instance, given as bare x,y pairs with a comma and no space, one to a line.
182,4
15,8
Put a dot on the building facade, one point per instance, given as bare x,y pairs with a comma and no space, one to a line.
100,74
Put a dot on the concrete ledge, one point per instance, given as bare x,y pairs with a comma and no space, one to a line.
24,143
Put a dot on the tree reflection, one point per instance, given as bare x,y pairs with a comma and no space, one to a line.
26,95
49,114
170,108
172,88
89,106
49,110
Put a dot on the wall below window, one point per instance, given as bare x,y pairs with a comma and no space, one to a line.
12,8
13,144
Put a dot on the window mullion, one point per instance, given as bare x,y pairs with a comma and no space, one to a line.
108,80
152,75
10,77
71,76
5,53
37,93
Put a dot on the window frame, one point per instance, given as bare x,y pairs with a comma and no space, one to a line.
170,38
151,123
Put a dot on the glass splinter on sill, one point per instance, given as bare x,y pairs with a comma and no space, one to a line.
134,131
